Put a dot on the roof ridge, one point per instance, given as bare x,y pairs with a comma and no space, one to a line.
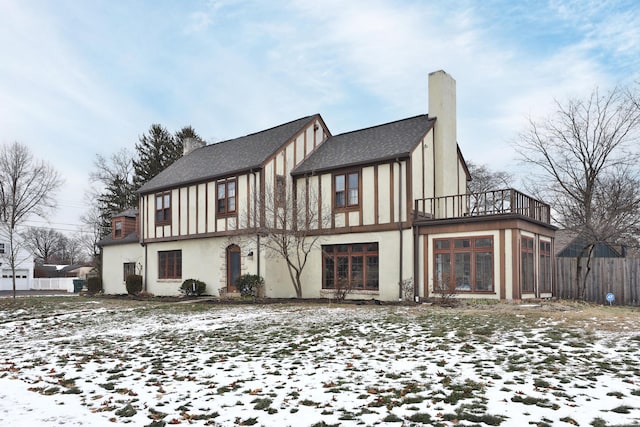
262,131
385,124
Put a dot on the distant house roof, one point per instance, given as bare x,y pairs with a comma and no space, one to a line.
227,157
570,244
129,213
109,240
382,142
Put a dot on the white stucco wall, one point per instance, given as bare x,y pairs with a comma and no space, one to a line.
113,258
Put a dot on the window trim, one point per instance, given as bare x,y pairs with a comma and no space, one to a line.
331,252
225,183
170,265
164,210
530,276
473,249
117,228
545,276
346,206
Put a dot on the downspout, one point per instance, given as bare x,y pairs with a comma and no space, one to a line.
143,244
255,218
400,227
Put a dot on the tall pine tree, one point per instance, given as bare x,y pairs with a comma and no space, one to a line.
187,132
156,150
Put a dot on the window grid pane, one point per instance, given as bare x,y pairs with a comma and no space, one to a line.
463,265
350,266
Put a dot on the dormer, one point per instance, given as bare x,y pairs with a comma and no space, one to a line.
124,223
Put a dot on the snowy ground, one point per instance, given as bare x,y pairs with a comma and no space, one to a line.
94,362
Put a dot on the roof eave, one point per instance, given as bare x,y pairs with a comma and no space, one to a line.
399,156
199,180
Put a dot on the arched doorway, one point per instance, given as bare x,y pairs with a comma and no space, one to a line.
233,267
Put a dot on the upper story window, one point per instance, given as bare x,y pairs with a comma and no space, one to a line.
163,208
227,197
117,229
347,190
2,248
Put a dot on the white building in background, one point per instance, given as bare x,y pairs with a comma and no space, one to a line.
23,272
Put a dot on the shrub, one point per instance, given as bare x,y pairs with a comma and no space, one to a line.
94,285
193,287
250,285
134,284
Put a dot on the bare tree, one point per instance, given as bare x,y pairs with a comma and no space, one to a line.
27,188
43,243
584,160
92,232
485,188
112,191
291,228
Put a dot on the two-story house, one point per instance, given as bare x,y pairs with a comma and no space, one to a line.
388,204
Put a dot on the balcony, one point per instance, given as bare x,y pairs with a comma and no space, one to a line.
490,203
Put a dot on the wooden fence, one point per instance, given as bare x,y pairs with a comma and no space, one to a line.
619,276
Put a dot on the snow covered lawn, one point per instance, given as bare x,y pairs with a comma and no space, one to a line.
93,362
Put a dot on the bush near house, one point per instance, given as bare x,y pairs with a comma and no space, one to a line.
94,285
134,284
250,285
192,287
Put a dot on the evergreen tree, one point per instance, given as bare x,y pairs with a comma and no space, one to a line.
187,132
156,150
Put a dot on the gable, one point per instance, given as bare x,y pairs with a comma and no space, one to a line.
374,144
227,157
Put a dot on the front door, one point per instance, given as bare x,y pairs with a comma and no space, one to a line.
233,267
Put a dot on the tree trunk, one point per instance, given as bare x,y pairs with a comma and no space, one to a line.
581,282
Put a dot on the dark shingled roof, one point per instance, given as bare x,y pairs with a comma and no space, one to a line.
383,142
129,213
226,158
109,240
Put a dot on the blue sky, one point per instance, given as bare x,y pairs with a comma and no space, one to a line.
80,78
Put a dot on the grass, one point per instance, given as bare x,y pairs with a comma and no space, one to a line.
164,363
